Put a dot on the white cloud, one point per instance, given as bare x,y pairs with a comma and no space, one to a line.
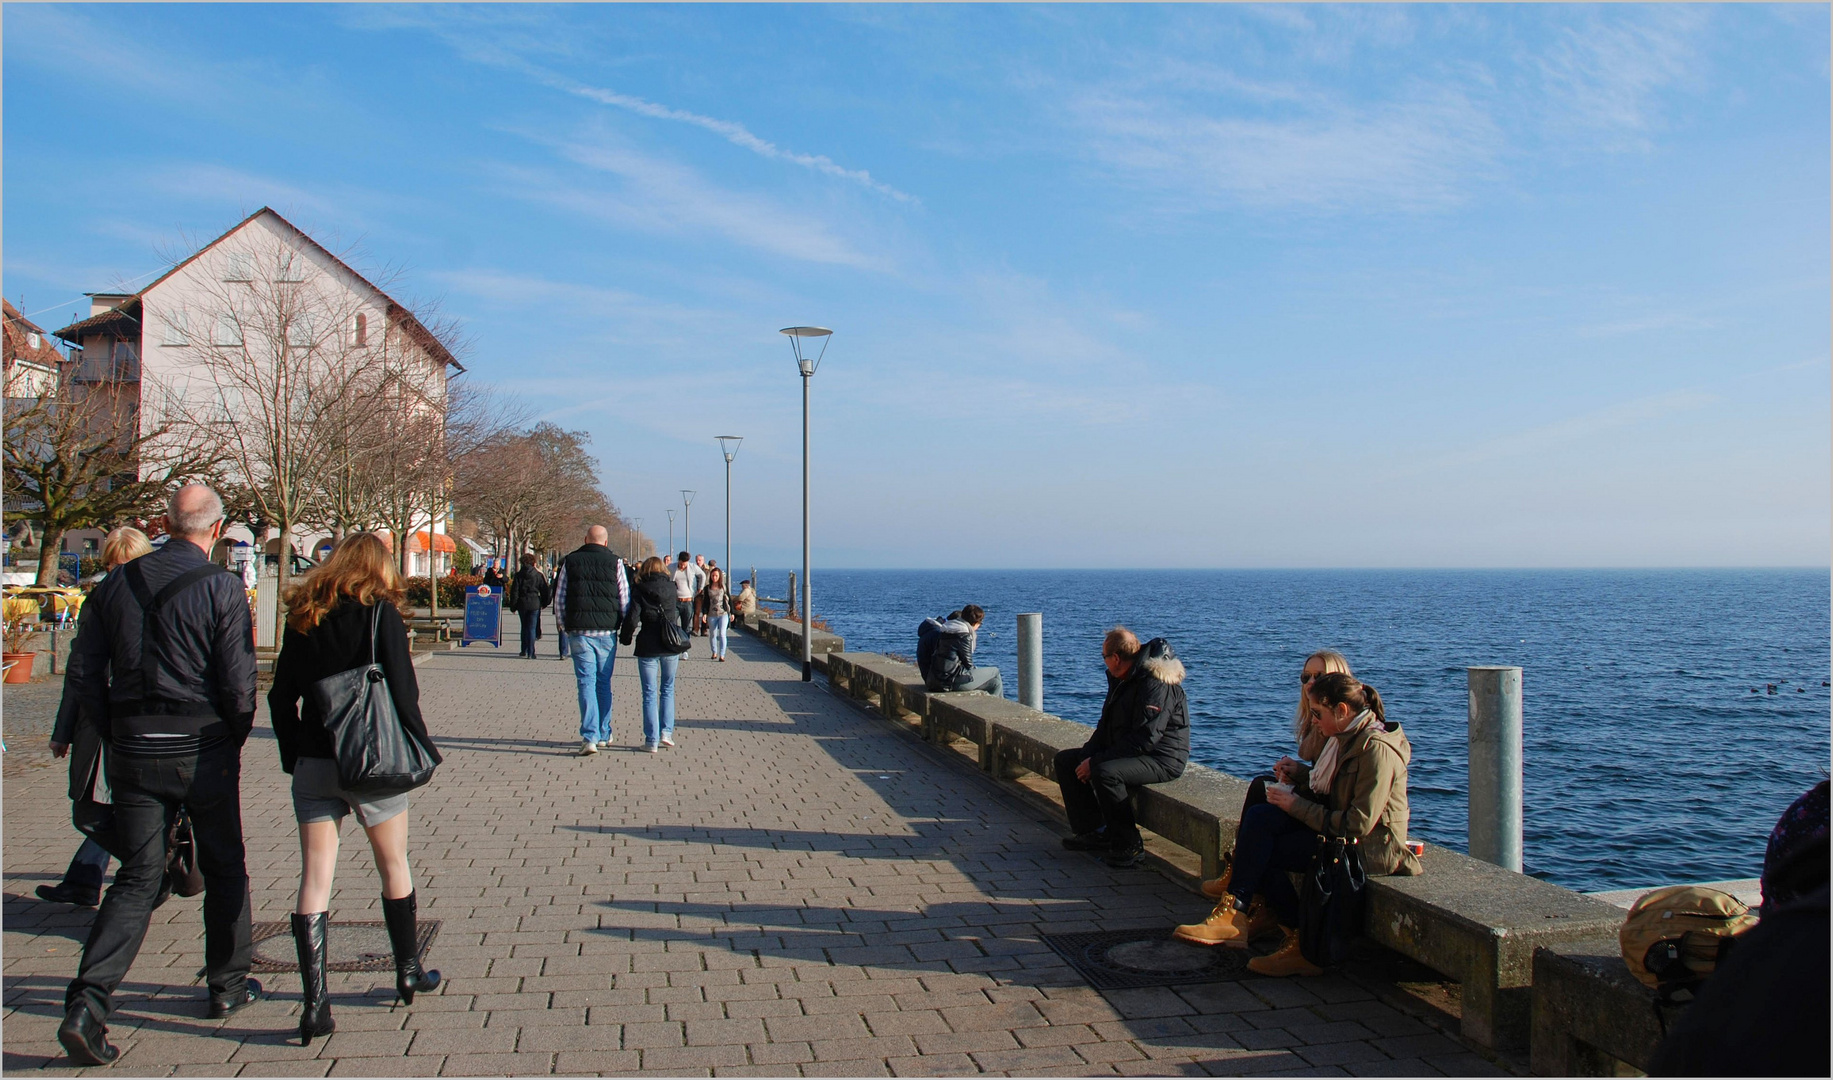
1607,74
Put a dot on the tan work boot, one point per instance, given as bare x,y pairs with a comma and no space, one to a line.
1217,887
1287,961
1225,925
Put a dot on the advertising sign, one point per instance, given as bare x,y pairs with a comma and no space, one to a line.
483,616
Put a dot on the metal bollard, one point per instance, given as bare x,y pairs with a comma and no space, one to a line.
1495,766
1031,660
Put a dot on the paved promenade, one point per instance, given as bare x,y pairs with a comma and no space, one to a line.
798,889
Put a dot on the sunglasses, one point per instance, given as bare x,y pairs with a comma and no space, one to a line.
1303,679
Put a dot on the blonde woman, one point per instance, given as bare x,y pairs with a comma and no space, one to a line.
82,884
1310,745
329,622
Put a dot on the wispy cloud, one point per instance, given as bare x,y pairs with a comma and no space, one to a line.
1606,74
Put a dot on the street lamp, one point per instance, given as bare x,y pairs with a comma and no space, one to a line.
671,534
636,541
687,520
806,364
728,445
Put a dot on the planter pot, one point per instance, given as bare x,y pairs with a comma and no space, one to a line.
22,662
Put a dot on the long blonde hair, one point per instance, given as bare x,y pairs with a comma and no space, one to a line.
124,544
1334,662
358,567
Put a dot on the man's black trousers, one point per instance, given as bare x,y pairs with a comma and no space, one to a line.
684,611
147,793
1103,800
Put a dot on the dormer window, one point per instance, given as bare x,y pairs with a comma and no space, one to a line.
362,329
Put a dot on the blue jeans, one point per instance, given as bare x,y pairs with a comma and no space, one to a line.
658,676
593,656
1270,843
718,626
89,868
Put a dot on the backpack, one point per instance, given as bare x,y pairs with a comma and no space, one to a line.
929,632
1674,938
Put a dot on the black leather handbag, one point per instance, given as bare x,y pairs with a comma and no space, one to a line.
674,639
1330,901
376,754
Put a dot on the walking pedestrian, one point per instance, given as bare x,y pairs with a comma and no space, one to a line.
528,594
657,661
718,604
345,612
164,659
82,881
591,594
687,586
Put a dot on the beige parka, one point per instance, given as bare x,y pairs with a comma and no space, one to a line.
1368,798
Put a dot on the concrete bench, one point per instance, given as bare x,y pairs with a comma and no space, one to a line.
1590,1015
786,635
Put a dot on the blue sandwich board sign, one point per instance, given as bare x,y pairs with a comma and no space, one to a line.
483,616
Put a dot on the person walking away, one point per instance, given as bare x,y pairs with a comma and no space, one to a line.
687,586
947,646
591,595
1310,743
656,663
746,604
718,604
82,881
346,610
1143,737
702,573
164,660
1357,790
528,594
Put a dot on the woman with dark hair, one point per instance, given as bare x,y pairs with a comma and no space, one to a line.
718,601
342,613
652,602
529,592
1357,789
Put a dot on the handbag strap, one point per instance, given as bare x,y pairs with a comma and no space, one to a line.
150,607
375,628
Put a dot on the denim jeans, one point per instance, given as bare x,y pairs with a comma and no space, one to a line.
593,657
147,792
531,623
983,678
720,622
658,677
1270,843
89,868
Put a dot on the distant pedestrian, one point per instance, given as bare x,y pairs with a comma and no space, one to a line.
343,613
529,592
701,573
82,883
947,646
686,577
591,594
164,656
493,577
657,662
718,604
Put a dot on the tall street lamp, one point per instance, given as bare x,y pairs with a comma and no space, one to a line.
671,534
636,540
687,520
728,445
801,344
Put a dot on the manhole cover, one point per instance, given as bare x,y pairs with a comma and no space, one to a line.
353,946
1122,959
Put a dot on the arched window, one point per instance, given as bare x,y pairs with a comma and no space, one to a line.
362,329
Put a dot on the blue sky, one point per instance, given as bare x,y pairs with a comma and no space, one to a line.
1112,286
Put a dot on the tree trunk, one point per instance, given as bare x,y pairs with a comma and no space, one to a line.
286,557
49,547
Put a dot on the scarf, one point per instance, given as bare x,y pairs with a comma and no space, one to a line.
1325,771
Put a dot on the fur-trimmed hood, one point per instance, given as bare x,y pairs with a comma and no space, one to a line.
1160,661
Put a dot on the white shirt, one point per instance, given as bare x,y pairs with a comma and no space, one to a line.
685,581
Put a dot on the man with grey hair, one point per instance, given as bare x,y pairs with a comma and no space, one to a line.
164,667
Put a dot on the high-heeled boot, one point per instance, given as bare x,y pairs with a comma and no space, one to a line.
404,937
309,937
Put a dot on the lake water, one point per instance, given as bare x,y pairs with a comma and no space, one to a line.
1649,759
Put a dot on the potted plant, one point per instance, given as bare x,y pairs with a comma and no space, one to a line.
18,632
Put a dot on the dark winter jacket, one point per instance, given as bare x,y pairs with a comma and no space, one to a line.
652,603
338,643
528,591
945,653
205,667
593,590
1145,714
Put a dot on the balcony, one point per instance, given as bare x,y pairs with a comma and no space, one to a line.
122,365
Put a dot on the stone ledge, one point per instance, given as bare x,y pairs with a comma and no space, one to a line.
1590,1015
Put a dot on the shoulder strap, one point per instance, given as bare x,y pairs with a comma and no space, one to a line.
150,607
375,628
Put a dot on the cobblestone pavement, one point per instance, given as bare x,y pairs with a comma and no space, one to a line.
797,889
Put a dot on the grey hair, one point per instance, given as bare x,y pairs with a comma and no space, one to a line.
196,521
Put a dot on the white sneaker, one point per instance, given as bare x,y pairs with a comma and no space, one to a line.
604,744
652,748
668,742
587,746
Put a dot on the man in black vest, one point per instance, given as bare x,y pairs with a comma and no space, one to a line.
164,665
591,594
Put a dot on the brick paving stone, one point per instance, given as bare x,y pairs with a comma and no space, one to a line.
799,879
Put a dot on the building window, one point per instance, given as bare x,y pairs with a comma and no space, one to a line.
240,266
228,331
362,329
177,329
299,332
292,267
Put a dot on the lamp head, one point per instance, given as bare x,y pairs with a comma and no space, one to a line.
728,445
687,497
801,341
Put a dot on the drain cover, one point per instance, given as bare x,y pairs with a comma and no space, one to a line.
1123,959
353,946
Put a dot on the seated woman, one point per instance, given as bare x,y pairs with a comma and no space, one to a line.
1357,789
1310,744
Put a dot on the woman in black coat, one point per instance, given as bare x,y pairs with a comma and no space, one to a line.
343,613
529,592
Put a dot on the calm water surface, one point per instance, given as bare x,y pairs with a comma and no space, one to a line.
1649,758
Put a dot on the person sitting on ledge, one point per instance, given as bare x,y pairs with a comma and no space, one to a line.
1357,789
1143,737
945,653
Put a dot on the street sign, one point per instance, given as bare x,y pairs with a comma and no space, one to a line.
483,616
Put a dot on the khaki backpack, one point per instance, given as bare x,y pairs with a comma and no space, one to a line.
1675,937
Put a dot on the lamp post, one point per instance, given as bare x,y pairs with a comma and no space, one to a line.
728,445
806,364
687,520
671,535
636,540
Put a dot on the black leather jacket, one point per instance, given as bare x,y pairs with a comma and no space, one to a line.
651,603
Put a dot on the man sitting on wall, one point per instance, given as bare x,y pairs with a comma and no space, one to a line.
945,653
1143,737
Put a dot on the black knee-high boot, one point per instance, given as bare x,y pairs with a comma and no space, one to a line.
404,937
315,1013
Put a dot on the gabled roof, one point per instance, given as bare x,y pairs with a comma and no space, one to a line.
398,315
18,320
123,322
18,339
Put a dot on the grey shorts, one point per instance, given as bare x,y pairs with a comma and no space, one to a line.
316,796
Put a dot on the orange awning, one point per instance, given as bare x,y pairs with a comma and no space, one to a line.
441,543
